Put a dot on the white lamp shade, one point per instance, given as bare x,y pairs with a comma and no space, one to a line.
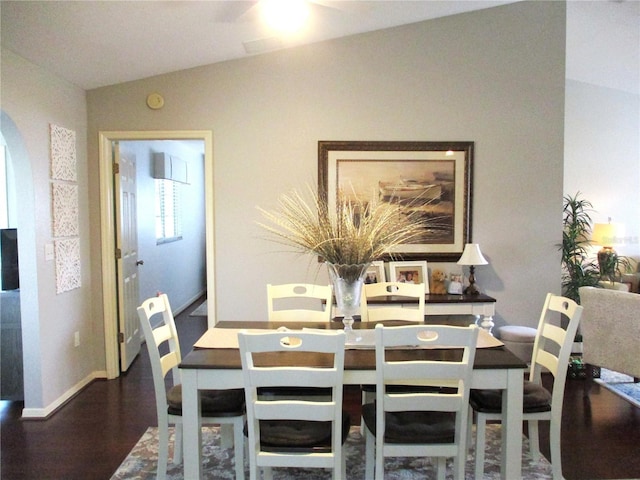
472,255
606,234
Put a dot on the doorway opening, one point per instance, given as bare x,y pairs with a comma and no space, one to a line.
12,374
108,142
24,337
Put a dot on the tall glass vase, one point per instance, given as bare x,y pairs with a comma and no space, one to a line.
347,283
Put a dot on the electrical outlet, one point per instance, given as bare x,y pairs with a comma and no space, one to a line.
76,339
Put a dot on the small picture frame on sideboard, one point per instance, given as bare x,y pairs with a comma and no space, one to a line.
455,284
375,273
410,272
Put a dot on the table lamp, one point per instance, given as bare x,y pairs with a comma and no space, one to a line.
606,235
472,256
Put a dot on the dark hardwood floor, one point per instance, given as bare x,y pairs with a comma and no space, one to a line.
91,435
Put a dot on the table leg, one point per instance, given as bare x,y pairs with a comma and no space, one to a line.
487,323
192,434
512,426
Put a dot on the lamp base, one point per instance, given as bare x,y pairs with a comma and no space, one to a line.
471,289
607,260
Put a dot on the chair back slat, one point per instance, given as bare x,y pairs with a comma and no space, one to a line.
304,302
371,312
295,410
296,376
437,402
554,333
293,341
434,373
169,361
162,333
548,360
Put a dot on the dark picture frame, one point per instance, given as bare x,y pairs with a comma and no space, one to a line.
441,173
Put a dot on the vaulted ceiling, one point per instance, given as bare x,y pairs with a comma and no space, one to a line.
98,43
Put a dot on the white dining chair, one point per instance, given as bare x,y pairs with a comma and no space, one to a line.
299,302
371,312
433,423
294,432
217,406
551,352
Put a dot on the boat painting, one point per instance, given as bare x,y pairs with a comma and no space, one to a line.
408,189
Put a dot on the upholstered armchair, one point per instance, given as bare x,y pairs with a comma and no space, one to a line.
610,330
632,279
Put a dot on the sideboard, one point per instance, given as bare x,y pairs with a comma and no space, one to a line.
482,307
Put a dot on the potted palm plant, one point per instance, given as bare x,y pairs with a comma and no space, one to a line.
578,269
578,266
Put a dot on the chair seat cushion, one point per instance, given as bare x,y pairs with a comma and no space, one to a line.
213,403
412,427
535,399
292,435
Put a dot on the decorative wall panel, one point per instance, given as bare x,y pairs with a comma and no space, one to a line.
63,153
65,210
67,253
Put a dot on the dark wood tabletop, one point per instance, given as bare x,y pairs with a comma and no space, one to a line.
355,359
432,298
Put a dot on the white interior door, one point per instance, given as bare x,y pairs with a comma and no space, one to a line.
127,254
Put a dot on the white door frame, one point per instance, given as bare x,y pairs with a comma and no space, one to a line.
107,226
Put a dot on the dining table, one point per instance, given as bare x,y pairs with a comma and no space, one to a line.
214,363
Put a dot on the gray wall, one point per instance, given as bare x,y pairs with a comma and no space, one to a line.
602,155
54,369
495,77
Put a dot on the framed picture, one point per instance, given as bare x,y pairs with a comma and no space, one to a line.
375,273
456,284
410,272
434,178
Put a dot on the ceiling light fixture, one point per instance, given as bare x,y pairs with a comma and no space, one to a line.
285,15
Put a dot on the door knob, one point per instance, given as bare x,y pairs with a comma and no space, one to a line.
140,262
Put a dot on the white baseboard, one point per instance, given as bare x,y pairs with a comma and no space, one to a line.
42,413
181,308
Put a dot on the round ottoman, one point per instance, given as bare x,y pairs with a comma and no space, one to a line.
519,340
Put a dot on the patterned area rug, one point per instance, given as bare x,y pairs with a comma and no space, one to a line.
218,462
200,311
621,385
